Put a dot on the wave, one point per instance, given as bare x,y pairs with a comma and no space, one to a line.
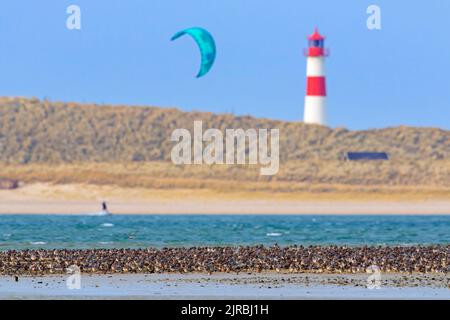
36,243
99,214
107,225
274,234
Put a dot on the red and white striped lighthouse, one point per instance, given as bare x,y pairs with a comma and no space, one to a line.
316,92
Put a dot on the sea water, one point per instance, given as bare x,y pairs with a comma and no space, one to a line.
142,231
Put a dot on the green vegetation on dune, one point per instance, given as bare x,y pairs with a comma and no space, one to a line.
40,131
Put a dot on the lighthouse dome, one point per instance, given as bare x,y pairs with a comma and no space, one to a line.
316,45
316,36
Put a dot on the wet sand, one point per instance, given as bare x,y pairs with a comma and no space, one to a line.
228,286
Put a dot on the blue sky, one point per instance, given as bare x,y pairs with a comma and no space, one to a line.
123,54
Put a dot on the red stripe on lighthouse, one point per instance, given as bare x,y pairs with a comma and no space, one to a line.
316,87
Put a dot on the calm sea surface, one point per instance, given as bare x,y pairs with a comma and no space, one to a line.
138,231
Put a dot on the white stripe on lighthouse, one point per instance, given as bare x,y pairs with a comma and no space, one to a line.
315,67
315,110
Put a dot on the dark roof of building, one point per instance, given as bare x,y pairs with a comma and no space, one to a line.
367,156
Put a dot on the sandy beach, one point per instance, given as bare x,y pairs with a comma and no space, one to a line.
41,198
224,207
227,286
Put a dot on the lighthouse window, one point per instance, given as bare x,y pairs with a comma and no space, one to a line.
316,43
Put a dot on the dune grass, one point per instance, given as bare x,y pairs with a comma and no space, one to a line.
240,181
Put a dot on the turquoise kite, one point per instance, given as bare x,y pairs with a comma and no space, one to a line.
206,45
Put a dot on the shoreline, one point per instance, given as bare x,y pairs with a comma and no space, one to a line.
227,286
45,198
238,207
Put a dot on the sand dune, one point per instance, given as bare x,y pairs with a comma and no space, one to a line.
68,157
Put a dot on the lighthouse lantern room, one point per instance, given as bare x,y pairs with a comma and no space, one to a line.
315,100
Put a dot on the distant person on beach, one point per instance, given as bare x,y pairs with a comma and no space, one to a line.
104,206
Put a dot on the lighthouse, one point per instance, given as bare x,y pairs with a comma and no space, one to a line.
316,92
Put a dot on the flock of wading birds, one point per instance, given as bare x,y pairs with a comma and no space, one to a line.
253,259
